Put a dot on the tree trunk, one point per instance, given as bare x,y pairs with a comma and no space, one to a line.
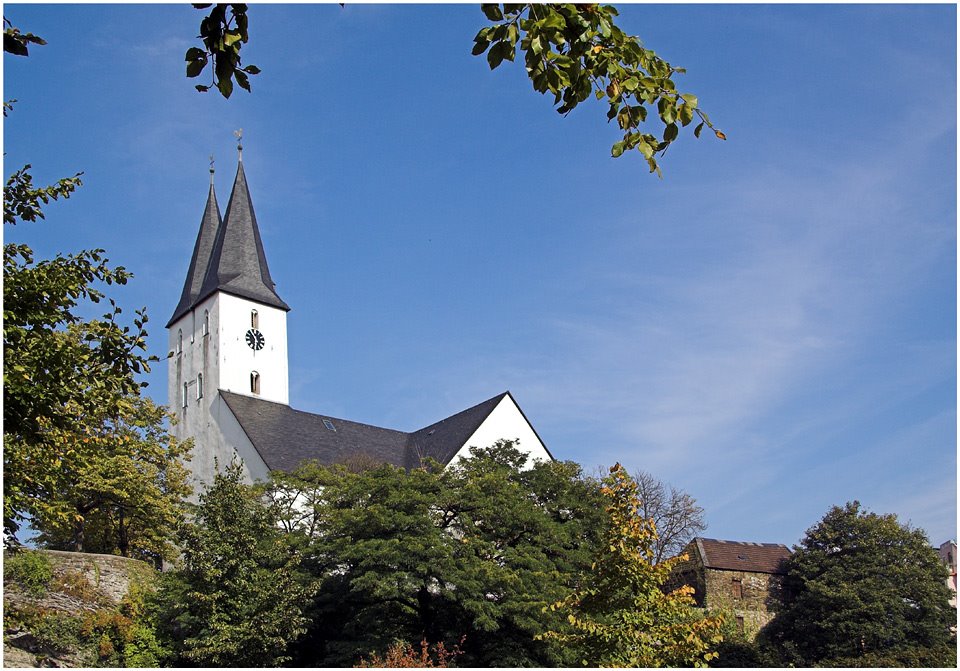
424,612
78,530
123,534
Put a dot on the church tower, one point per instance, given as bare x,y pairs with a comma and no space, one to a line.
227,333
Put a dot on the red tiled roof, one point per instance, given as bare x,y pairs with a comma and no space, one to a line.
737,556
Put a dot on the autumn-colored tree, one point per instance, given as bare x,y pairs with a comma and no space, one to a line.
620,614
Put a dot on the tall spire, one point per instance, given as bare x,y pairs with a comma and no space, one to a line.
201,254
238,264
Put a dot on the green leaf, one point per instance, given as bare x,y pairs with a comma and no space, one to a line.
492,11
690,99
242,79
617,150
495,55
194,68
670,132
698,129
225,86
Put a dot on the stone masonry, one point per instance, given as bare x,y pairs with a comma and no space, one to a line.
744,580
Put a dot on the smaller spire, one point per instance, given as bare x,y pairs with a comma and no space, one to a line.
239,134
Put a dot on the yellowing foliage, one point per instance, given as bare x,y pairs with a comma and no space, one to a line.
621,615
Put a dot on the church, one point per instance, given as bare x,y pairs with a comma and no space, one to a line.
228,372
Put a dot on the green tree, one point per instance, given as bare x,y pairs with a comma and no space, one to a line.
61,372
477,549
863,585
126,495
238,599
620,613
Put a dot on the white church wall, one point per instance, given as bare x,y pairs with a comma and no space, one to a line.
220,354
237,360
506,422
195,357
235,443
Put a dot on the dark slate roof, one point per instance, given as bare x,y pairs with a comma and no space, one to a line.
201,256
739,556
285,437
238,264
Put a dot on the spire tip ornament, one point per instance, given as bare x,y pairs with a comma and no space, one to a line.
239,134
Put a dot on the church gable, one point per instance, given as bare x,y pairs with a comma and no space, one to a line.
505,421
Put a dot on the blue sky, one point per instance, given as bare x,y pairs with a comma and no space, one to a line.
771,326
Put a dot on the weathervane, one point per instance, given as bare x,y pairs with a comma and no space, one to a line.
239,134
211,168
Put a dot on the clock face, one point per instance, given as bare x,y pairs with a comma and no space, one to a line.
255,339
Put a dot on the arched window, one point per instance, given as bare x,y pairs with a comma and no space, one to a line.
254,319
179,341
206,322
183,400
255,383
199,386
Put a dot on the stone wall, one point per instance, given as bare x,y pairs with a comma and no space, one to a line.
755,597
81,583
109,575
752,605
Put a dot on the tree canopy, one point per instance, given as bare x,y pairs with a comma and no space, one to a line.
862,584
474,550
61,372
126,494
239,597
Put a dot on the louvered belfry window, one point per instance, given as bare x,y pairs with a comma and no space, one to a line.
255,383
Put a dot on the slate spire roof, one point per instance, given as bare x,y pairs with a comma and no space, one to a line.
201,256
238,264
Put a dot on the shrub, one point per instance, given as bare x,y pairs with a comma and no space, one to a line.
56,633
29,569
75,583
402,655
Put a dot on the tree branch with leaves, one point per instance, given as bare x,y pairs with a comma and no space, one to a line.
223,32
573,51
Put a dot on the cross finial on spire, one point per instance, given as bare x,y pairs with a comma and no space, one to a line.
239,134
211,168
